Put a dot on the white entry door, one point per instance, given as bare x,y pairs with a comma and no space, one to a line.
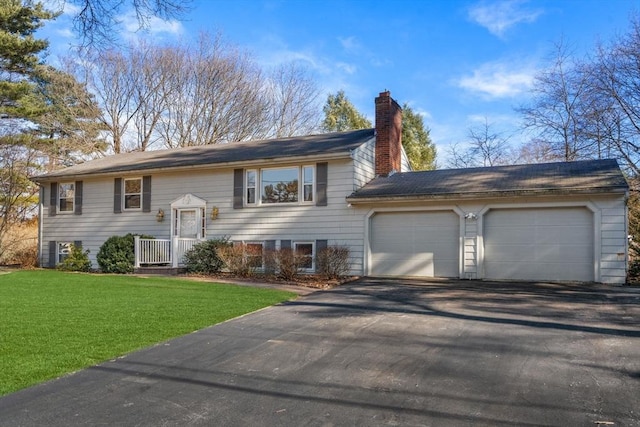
187,224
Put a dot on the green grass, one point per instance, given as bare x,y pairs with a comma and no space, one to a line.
52,323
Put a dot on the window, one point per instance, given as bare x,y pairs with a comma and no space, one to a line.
64,249
132,193
279,185
66,195
305,251
251,187
307,183
253,255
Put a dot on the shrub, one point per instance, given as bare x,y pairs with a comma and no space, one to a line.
27,257
205,257
333,262
288,263
117,254
633,275
235,260
77,260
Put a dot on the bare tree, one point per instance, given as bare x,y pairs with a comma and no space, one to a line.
616,80
220,96
556,115
96,21
113,79
293,97
485,147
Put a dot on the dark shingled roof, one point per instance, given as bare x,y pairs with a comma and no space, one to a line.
299,146
546,178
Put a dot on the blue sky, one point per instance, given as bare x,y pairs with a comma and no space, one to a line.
455,62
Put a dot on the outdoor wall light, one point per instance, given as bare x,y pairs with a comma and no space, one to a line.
471,215
160,215
214,213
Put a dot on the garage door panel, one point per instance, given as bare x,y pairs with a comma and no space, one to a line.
546,244
422,244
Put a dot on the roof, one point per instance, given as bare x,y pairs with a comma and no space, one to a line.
590,176
338,143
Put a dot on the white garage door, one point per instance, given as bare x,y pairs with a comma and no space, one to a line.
421,244
539,244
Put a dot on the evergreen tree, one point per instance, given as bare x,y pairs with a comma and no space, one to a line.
416,141
340,115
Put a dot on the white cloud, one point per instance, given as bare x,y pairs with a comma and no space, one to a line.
155,26
497,80
500,16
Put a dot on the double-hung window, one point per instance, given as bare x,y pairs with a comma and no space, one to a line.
305,252
253,252
66,195
63,251
251,187
132,194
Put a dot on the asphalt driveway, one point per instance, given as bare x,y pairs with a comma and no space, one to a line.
376,352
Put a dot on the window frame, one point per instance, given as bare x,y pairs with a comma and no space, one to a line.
255,186
60,247
125,194
69,200
294,246
247,255
258,189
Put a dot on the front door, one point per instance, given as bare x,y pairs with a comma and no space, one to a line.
187,224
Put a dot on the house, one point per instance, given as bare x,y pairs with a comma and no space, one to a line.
556,221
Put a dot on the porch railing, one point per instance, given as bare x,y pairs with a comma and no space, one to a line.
162,251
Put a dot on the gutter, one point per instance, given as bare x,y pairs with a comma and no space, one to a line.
485,194
226,165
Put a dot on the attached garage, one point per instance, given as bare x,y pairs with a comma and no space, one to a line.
415,244
539,244
562,221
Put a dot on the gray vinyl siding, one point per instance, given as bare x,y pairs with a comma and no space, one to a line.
364,164
336,222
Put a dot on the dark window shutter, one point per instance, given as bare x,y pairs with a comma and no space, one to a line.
146,193
269,260
269,245
77,244
320,246
53,253
238,188
322,170
77,202
285,244
117,195
53,199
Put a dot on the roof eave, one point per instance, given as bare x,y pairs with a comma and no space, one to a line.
246,163
487,194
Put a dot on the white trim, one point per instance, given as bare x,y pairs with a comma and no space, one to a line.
124,193
259,187
73,198
253,242
313,253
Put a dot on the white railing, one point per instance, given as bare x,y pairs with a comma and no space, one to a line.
162,251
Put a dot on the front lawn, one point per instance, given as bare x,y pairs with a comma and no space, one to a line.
52,323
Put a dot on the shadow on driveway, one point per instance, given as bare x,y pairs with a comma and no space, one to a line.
376,352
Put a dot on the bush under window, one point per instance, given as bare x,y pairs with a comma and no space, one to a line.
205,257
117,254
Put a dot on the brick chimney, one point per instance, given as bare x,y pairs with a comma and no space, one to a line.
388,135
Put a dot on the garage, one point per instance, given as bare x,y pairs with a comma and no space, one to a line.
539,244
415,244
